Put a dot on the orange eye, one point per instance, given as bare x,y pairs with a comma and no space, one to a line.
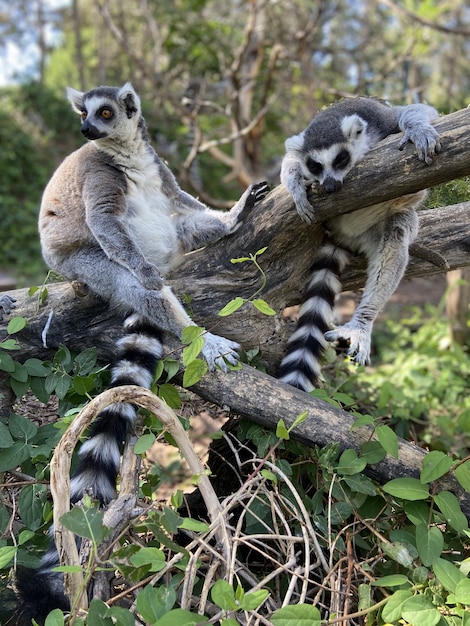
83,115
106,114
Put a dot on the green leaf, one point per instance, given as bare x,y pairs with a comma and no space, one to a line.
20,373
462,473
192,351
223,595
170,395
394,580
35,367
231,306
190,333
22,428
281,430
420,610
7,364
361,484
8,344
241,259
406,488
195,525
462,592
86,522
253,599
393,609
450,508
435,465
122,617
16,324
85,362
194,372
388,439
31,503
373,452
349,463
14,455
153,557
429,543
398,552
144,442
263,307
6,439
417,512
55,618
6,555
181,617
296,615
448,575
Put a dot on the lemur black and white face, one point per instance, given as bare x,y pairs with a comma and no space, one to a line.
329,163
107,112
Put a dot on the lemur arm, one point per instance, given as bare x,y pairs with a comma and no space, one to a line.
415,122
293,178
103,219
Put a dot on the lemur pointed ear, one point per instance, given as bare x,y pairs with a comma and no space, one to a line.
76,99
295,143
353,127
130,99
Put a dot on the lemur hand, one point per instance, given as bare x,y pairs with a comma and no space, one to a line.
150,277
426,139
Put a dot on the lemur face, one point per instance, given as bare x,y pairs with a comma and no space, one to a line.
329,165
107,112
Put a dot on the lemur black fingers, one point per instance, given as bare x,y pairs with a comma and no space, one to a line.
258,192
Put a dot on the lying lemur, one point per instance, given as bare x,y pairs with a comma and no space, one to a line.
338,138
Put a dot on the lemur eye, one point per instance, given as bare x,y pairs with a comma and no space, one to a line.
106,113
83,115
313,166
342,159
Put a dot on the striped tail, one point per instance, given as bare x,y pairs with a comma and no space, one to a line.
40,591
301,366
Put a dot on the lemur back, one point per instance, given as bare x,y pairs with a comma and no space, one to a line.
337,139
114,218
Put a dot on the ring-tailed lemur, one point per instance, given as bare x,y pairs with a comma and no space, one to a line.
114,218
336,139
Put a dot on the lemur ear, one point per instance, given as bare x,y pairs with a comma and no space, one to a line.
295,143
76,99
130,99
353,127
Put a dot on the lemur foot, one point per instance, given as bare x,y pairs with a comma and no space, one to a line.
7,304
219,352
426,139
358,339
253,196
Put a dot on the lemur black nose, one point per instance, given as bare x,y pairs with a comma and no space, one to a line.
330,184
90,132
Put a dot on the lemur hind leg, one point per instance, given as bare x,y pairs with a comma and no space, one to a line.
160,308
387,261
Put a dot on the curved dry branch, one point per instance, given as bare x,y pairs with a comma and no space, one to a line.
60,476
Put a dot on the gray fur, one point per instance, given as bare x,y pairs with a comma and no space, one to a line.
336,140
114,217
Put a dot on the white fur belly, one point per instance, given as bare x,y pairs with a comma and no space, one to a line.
150,222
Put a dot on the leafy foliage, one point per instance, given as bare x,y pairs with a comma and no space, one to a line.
405,542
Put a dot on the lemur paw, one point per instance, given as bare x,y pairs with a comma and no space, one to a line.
7,304
251,197
359,341
305,210
219,352
149,277
426,139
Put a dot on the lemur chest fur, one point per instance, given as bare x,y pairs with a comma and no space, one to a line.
149,214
